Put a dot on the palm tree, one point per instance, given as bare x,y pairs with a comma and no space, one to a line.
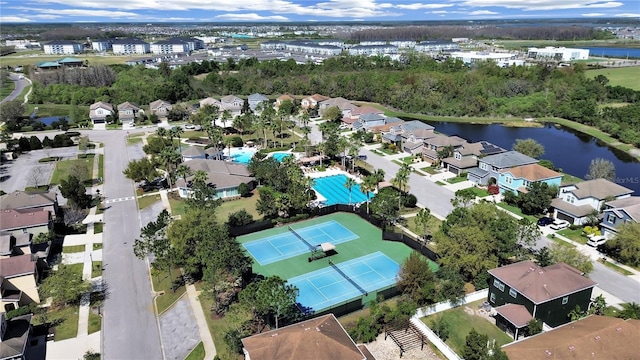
349,185
401,179
630,311
176,131
226,116
422,220
161,132
368,185
343,146
200,176
304,118
354,149
169,157
378,175
183,171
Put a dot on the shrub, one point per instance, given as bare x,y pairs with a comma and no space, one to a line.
509,197
494,189
240,218
244,190
26,128
23,310
410,201
574,227
236,141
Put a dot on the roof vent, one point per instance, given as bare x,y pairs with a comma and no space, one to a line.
618,329
274,335
597,337
548,352
571,347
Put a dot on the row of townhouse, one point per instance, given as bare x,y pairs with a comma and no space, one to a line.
307,47
127,46
128,112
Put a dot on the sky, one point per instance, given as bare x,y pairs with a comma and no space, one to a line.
152,11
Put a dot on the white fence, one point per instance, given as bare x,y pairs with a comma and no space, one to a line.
436,308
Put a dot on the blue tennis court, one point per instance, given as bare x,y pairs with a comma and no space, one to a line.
282,246
326,287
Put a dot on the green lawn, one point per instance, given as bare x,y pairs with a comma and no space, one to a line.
575,235
570,179
61,110
178,207
479,192
63,169
97,246
68,328
197,353
133,140
429,170
217,326
96,269
559,241
461,323
19,59
6,89
457,179
98,228
162,282
615,267
623,76
73,249
95,322
101,167
146,201
517,211
432,226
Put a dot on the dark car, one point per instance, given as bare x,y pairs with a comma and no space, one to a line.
157,184
544,221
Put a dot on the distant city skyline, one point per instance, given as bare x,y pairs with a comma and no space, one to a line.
229,11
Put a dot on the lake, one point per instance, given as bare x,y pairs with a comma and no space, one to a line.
622,53
569,150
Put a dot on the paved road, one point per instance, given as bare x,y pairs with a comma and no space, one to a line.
20,85
130,326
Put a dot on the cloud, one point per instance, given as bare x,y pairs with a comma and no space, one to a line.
13,19
44,16
529,5
438,12
251,17
78,12
629,15
483,12
594,14
416,6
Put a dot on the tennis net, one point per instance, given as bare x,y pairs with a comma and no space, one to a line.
365,292
311,247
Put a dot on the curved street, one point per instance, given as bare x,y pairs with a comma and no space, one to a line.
20,84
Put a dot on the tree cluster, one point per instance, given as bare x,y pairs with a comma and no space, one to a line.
625,246
93,76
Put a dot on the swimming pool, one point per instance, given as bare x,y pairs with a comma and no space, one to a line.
332,188
241,155
280,155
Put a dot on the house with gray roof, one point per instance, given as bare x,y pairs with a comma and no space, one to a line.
233,104
255,100
489,167
367,121
129,46
160,108
22,200
128,112
466,156
343,104
226,176
575,202
618,212
193,152
435,144
98,113
15,335
410,135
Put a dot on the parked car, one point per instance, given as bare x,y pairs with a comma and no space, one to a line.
559,224
596,241
157,184
544,221
189,126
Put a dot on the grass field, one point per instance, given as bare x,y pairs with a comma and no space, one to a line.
623,76
178,207
96,269
575,235
516,211
162,282
461,323
64,168
73,249
20,59
6,89
146,201
197,353
61,110
68,328
95,322
432,226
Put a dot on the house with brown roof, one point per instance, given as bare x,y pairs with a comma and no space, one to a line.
160,108
343,104
518,179
16,222
282,98
576,201
211,101
363,110
226,176
98,113
466,156
22,200
18,277
15,335
618,212
321,338
128,112
546,293
593,337
437,143
311,102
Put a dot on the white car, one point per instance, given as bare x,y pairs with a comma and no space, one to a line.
189,126
559,224
596,241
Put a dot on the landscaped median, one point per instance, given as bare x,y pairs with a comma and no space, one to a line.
168,287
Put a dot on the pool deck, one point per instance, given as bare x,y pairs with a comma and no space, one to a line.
332,171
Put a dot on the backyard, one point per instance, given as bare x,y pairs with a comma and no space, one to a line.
462,319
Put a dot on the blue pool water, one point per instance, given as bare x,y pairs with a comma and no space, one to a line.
332,188
280,155
241,155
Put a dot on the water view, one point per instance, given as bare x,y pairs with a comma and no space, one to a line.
569,150
614,52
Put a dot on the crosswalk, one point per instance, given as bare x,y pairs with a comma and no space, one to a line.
110,201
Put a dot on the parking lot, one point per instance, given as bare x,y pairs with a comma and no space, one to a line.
18,174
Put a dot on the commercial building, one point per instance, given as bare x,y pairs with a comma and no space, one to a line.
558,53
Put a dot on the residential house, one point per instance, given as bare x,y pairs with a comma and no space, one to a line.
320,338
233,104
354,114
409,135
15,335
98,113
466,156
389,122
367,121
128,112
283,98
435,144
517,179
437,46
547,293
372,50
224,175
21,200
489,167
62,47
16,222
11,245
130,46
101,45
344,105
160,108
593,337
19,276
575,202
311,102
212,102
618,212
255,100
176,45
193,152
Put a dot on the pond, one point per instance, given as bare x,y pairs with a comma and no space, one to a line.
614,52
568,149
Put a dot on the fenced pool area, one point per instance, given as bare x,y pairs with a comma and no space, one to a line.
241,155
332,188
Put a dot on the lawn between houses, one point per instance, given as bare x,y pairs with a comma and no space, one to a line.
63,169
461,322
